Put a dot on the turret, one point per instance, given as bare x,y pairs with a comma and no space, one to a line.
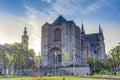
101,33
100,30
25,31
25,37
82,29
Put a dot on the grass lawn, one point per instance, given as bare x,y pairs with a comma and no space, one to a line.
107,76
49,78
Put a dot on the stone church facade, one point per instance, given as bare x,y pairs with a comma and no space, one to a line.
64,43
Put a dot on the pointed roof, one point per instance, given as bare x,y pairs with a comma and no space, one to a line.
82,27
100,29
94,37
59,20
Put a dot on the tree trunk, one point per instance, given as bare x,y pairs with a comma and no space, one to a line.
115,68
9,70
15,68
118,68
112,69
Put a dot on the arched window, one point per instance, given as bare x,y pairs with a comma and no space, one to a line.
57,35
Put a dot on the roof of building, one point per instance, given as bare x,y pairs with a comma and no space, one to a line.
92,37
59,20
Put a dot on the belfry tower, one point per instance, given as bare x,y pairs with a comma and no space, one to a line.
25,38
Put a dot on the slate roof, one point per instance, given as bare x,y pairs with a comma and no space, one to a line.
59,20
92,37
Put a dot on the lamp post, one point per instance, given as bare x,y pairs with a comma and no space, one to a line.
74,54
94,65
20,60
95,53
55,53
38,63
4,70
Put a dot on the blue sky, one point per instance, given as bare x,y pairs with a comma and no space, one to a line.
83,8
15,14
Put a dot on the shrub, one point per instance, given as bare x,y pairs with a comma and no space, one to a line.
104,72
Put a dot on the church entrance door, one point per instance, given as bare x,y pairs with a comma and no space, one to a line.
55,56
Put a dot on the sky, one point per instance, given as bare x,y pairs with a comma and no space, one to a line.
15,14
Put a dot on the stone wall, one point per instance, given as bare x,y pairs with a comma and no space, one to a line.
78,71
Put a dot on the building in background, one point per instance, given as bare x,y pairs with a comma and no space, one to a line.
25,38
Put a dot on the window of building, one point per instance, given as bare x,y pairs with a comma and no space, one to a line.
57,35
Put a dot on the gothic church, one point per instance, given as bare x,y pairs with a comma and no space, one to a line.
64,43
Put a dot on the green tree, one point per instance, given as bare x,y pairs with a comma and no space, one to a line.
17,55
99,64
9,57
114,58
66,56
31,52
3,58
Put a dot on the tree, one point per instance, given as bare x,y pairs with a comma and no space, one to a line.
114,58
10,61
3,58
31,52
66,56
9,57
18,55
99,64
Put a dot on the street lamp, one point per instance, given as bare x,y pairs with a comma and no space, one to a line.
95,53
74,62
20,60
38,63
55,53
3,51
94,65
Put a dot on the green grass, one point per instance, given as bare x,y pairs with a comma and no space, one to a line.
107,76
49,78
96,77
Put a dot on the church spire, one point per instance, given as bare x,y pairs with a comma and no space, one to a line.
25,37
100,29
82,27
25,31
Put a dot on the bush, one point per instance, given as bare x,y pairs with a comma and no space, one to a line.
104,72
48,74
71,65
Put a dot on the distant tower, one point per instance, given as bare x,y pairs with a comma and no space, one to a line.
82,29
100,30
25,38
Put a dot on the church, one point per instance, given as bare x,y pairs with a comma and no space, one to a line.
63,43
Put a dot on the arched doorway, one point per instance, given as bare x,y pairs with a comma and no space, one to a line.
55,56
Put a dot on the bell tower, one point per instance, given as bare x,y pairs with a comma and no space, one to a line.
25,38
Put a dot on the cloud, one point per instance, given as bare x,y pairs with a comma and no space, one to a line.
48,1
12,27
70,7
35,19
9,26
67,8
111,34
